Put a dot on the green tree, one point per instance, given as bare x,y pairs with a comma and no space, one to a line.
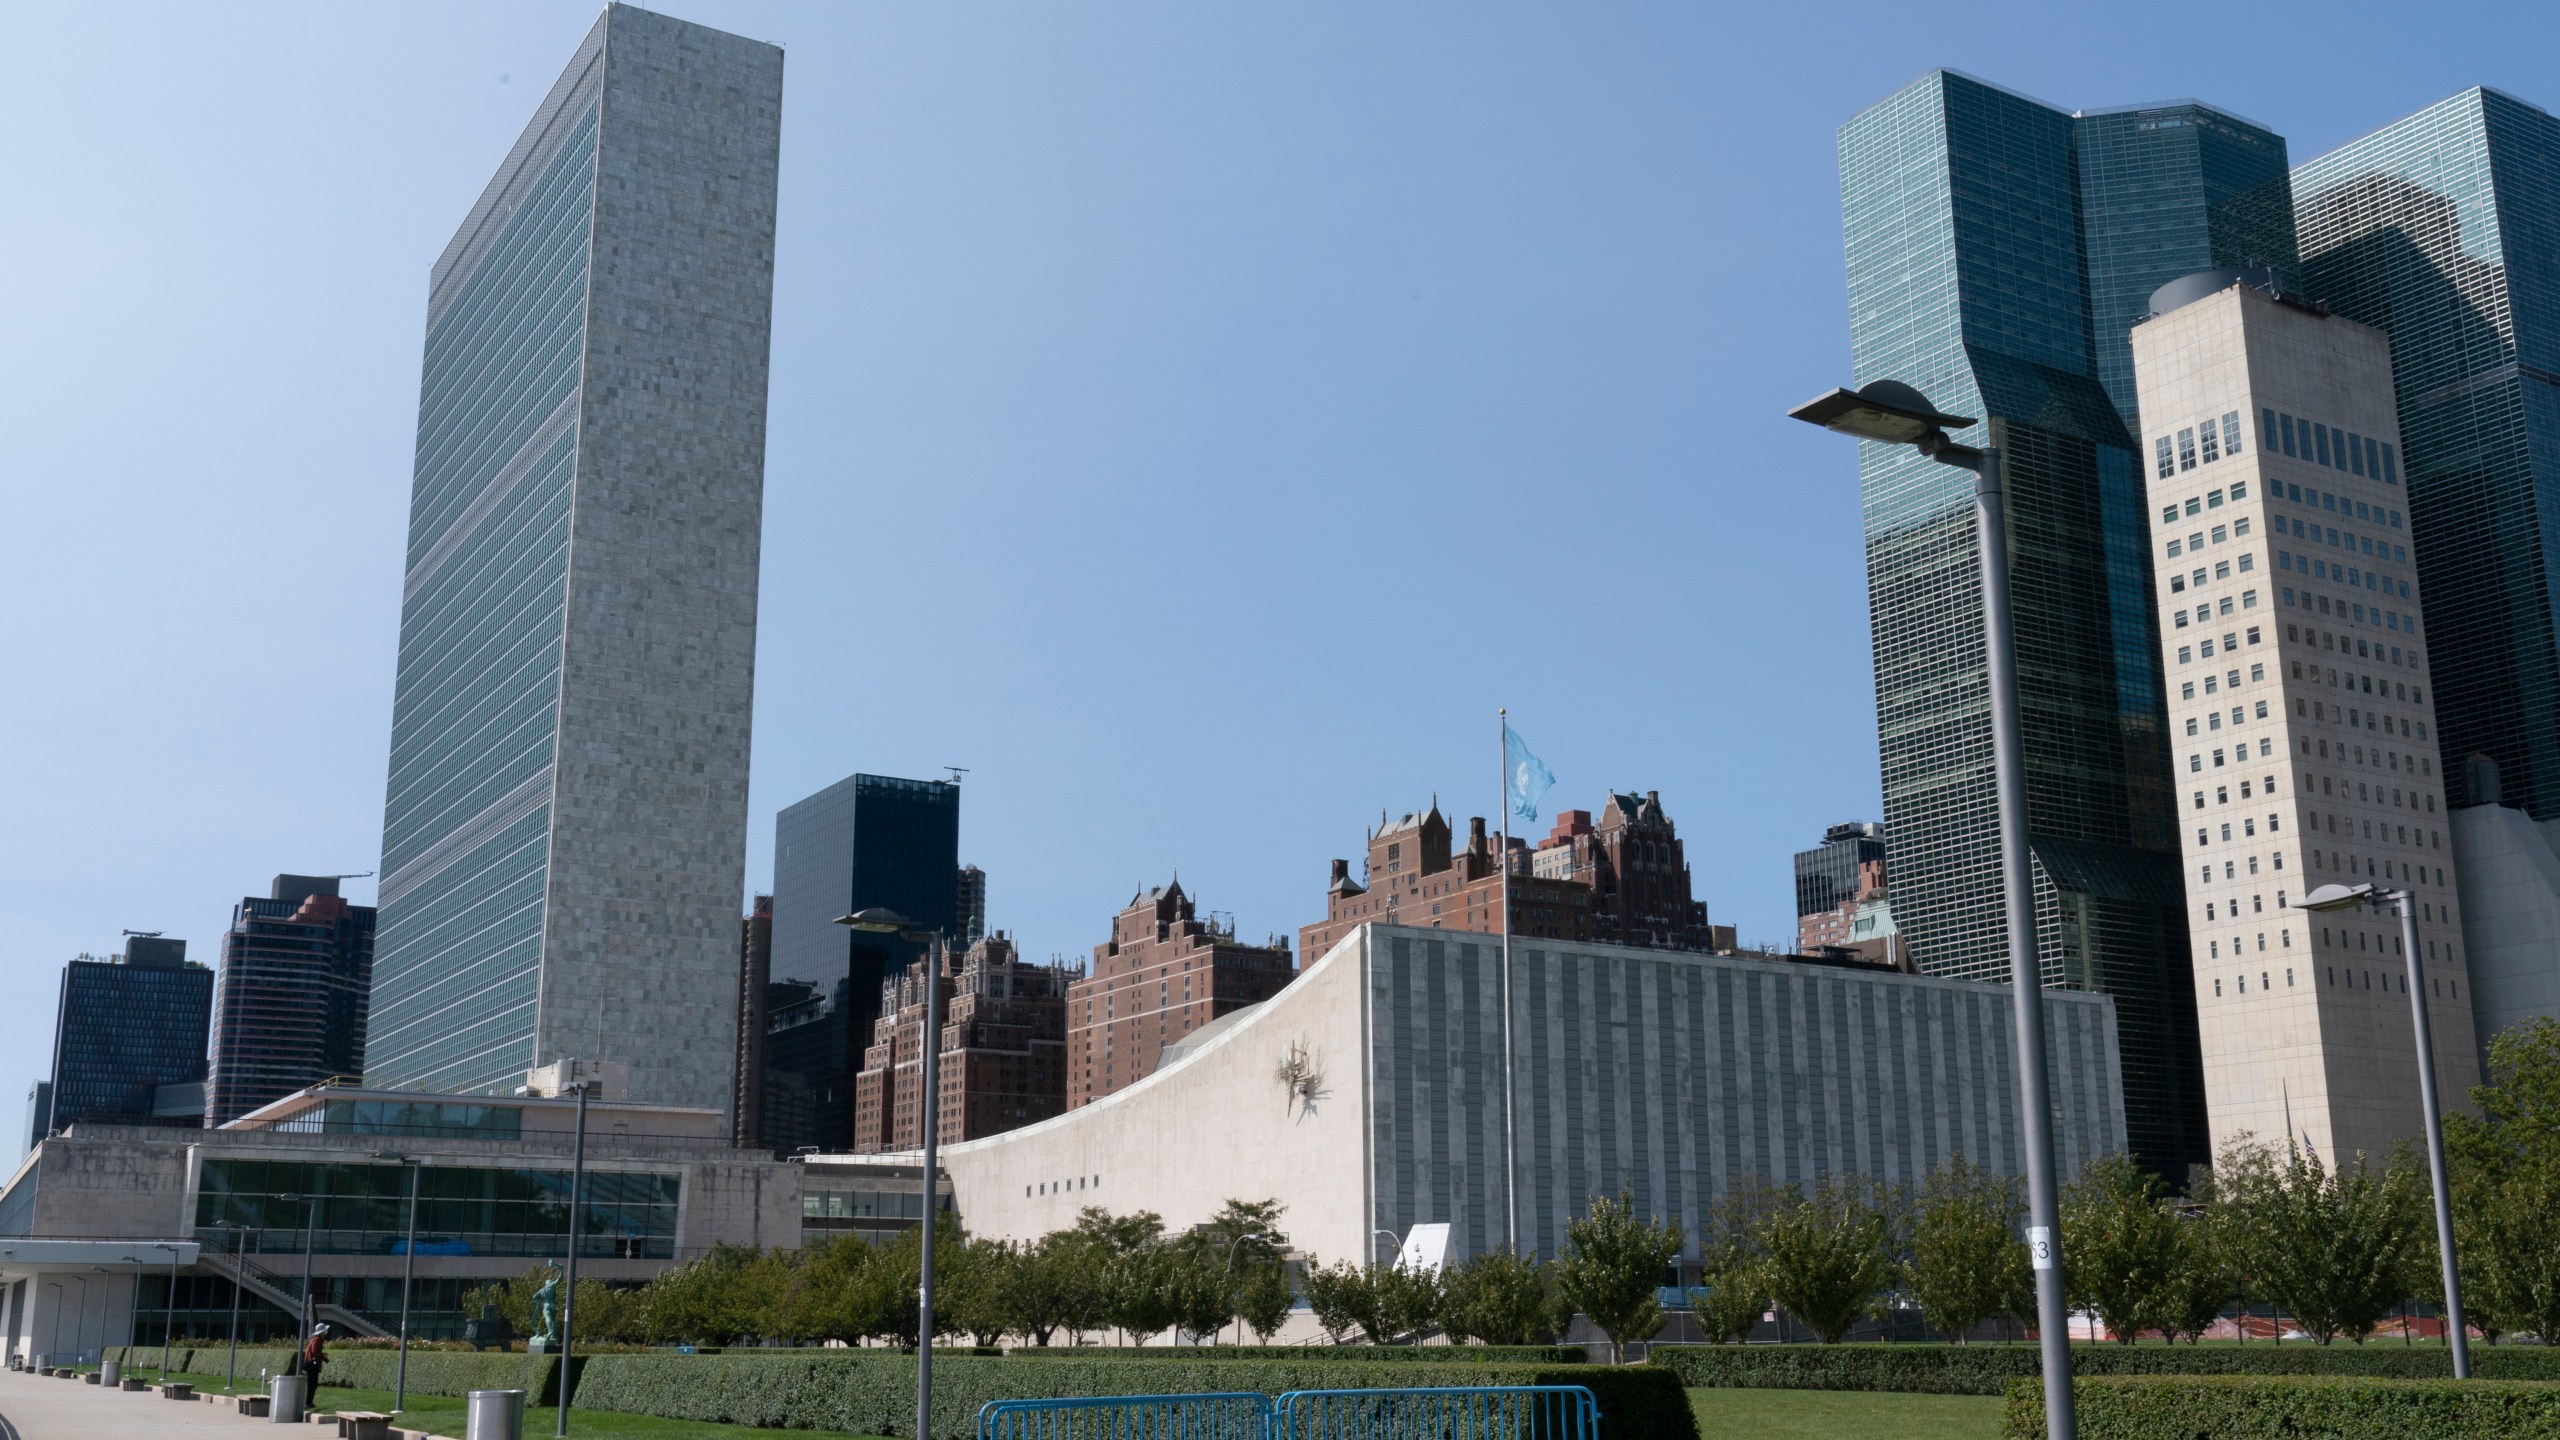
1732,1294
2337,1249
1264,1300
980,1290
1965,1251
1047,1286
823,1281
2120,1242
1344,1302
1613,1267
1503,1299
2505,1168
1408,1301
1138,1293
1830,1254
727,1294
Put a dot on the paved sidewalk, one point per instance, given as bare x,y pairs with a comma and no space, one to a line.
38,1407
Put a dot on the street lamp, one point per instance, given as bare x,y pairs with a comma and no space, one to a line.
103,1297
408,1272
132,1316
880,920
569,1270
1893,413
2349,897
310,1228
231,1380
1231,1270
168,1312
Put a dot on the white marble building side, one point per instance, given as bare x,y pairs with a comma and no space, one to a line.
648,842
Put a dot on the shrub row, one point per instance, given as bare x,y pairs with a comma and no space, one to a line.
1371,1354
1992,1369
2236,1407
872,1392
431,1372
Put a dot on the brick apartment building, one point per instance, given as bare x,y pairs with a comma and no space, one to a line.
1415,878
1163,975
1637,873
1003,1050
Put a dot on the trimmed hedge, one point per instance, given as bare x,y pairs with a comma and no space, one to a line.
1992,1369
431,1372
1366,1354
2286,1407
872,1392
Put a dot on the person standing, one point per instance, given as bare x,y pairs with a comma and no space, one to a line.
315,1354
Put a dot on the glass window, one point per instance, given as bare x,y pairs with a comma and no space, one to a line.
2372,457
2240,491
2284,559
2320,435
2220,534
2248,561
2231,431
2267,427
2186,449
2176,549
2177,583
2168,513
2355,453
2293,492
2213,500
2194,506
2288,435
2390,467
2209,440
2160,453
2185,654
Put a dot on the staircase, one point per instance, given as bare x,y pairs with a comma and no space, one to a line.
285,1293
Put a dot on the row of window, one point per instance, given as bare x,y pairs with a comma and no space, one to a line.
2327,445
2199,444
2213,718
2344,505
2196,505
2353,576
2238,527
2222,570
2206,611
2348,644
2187,654
2450,989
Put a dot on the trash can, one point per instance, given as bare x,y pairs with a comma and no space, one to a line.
284,1400
494,1415
111,1371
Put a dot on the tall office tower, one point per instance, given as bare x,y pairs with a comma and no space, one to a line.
129,1037
564,834
1992,244
972,926
289,1003
866,841
1829,878
755,985
2293,641
2439,230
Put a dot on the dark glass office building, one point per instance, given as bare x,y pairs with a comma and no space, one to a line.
1827,874
2443,231
870,840
129,1038
1999,252
289,1005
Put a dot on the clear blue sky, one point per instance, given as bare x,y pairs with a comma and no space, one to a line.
1194,419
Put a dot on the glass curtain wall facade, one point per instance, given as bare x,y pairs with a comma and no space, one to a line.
868,840
565,821
121,1031
1973,275
1827,875
289,1010
2442,230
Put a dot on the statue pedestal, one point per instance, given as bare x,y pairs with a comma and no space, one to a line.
538,1345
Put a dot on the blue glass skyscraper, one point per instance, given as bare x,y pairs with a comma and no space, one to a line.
1999,252
564,832
2443,231
129,1039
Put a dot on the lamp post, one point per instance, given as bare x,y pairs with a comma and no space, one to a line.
569,1271
879,920
2349,897
132,1312
1893,413
103,1297
231,1378
1231,1270
408,1273
168,1312
310,1228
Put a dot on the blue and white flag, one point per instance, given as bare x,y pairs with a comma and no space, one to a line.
1525,777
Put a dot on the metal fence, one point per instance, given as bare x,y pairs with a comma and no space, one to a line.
1458,1412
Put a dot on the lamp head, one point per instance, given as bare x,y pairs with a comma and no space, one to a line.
877,920
2338,897
1886,410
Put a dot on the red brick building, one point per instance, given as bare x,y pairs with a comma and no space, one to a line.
1003,1050
1637,873
1415,878
1163,974
1835,925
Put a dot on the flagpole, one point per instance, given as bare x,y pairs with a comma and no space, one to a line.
1510,1125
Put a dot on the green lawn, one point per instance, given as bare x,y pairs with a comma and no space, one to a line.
1843,1415
442,1414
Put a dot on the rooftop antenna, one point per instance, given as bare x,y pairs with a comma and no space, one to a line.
147,934
956,772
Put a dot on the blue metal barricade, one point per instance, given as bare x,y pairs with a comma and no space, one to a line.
1472,1412
1233,1415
